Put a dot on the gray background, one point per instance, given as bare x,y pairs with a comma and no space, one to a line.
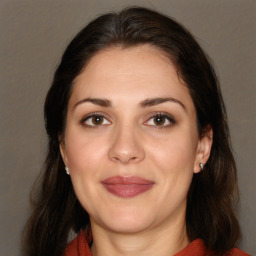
33,36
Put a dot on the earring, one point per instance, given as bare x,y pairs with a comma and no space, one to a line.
201,166
67,170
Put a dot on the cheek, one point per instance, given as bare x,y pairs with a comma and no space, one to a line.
173,161
174,153
86,161
84,153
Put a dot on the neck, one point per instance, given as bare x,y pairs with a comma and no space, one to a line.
161,241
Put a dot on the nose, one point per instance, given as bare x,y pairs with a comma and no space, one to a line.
126,146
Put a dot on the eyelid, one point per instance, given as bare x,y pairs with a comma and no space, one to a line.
167,116
88,116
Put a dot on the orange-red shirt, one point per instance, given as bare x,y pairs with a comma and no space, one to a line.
79,247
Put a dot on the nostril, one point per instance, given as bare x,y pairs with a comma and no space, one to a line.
126,149
125,159
115,158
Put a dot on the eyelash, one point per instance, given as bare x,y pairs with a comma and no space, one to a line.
166,117
83,121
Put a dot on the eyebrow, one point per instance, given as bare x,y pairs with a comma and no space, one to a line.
156,101
96,101
145,103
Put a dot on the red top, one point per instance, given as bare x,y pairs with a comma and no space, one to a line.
79,247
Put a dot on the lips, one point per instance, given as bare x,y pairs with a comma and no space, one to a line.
127,187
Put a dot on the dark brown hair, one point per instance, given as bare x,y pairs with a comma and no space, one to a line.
213,193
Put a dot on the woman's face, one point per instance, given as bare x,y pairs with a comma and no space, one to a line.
131,141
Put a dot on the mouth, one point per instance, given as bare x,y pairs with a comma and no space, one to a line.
127,187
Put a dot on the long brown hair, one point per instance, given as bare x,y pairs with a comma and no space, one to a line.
213,193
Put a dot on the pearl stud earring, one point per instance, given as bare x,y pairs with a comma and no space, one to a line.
67,170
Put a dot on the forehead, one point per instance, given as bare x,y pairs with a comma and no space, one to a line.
144,71
119,60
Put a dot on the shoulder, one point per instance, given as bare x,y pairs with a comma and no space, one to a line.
78,246
72,248
236,252
198,248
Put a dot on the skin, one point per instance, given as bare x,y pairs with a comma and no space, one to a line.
129,142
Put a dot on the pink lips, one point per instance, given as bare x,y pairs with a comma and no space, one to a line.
127,186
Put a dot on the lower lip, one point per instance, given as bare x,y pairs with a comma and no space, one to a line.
127,190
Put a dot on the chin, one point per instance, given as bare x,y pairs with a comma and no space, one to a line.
127,221
127,226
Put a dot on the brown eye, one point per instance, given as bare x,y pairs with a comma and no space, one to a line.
159,120
95,120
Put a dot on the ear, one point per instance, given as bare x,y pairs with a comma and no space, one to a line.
63,151
203,149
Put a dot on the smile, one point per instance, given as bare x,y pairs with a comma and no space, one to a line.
127,187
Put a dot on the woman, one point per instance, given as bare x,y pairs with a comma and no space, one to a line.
136,118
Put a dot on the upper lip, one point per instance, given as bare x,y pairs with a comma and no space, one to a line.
126,180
